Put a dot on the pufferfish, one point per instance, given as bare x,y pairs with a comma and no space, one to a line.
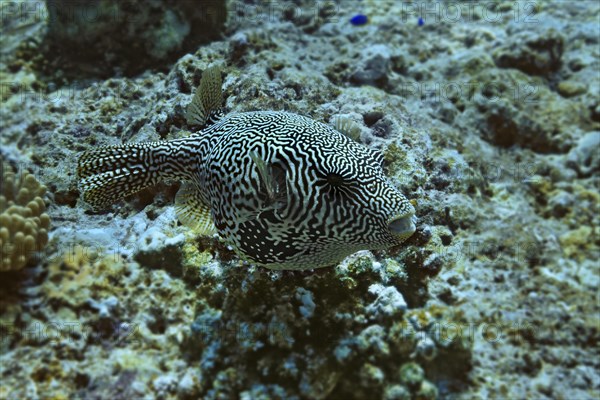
285,191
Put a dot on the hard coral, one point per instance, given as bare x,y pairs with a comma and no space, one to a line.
24,224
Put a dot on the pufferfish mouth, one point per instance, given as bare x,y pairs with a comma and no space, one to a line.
403,226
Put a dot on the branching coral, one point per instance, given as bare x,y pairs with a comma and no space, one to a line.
23,222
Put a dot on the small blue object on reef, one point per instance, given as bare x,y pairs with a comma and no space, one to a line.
359,19
421,21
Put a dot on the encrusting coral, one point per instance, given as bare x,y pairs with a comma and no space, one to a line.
24,223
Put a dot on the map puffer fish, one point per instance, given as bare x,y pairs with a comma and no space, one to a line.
285,191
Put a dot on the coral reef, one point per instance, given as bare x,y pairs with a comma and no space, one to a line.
127,36
23,220
488,122
101,323
537,53
321,334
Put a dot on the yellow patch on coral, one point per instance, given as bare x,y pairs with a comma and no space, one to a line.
574,241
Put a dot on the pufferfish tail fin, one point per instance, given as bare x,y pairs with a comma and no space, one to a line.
111,173
206,106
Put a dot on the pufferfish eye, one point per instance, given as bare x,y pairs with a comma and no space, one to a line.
341,186
335,179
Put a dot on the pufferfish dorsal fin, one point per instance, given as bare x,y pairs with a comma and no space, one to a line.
191,210
348,127
206,106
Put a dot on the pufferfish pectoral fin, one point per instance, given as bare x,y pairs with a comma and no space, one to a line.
191,210
208,99
348,127
273,178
